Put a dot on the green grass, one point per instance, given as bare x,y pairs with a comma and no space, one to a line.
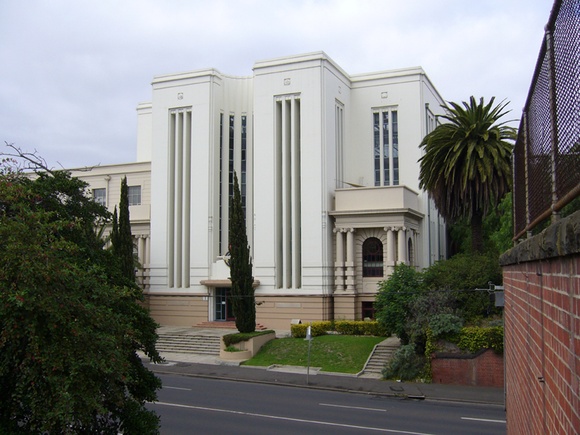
333,353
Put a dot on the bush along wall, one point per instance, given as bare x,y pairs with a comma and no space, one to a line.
475,338
344,327
478,361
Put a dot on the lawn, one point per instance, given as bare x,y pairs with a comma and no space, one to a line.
333,353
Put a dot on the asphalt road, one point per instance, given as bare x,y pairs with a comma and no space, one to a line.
208,406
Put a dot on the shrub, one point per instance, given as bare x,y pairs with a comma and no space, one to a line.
394,299
316,329
422,309
344,327
445,325
460,275
405,364
475,338
359,327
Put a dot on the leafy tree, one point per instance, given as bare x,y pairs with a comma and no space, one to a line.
69,332
424,310
499,225
406,364
466,166
394,300
242,292
497,230
460,276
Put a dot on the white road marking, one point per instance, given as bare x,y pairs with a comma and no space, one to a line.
353,407
298,420
487,420
177,388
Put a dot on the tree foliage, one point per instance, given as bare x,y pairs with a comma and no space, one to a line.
242,292
441,298
393,302
406,364
122,239
460,276
497,230
69,332
466,167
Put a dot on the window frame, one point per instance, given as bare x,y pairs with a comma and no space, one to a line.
102,200
373,262
386,147
131,195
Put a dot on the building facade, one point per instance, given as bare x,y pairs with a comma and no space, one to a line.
328,172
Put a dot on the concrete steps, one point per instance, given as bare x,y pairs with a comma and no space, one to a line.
185,343
380,356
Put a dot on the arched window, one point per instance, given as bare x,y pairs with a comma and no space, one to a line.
372,257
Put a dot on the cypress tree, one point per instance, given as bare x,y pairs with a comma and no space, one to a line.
124,243
115,233
242,293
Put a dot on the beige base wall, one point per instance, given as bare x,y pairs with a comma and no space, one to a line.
277,312
273,312
349,306
345,307
182,310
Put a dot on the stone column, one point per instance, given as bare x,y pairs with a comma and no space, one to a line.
402,244
350,260
339,262
141,250
390,260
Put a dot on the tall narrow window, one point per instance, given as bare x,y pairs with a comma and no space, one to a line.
395,145
372,257
386,147
134,195
339,140
100,196
243,181
231,156
221,186
377,148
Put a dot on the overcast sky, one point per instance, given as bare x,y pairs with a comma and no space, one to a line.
73,71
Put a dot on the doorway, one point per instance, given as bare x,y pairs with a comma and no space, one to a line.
223,307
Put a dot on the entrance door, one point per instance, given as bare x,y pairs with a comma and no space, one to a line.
223,306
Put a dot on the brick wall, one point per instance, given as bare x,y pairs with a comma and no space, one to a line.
542,332
484,369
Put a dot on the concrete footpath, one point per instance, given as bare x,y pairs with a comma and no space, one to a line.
208,366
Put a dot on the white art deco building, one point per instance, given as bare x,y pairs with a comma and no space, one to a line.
328,172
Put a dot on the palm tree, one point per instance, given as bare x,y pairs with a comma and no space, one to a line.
466,167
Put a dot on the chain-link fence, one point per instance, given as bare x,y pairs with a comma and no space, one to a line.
547,151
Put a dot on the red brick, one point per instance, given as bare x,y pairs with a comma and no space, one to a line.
542,320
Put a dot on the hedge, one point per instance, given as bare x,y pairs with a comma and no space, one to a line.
474,338
344,327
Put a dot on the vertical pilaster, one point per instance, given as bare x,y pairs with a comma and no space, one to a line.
141,250
349,260
402,245
390,249
339,262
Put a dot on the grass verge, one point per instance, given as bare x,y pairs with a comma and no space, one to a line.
333,353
